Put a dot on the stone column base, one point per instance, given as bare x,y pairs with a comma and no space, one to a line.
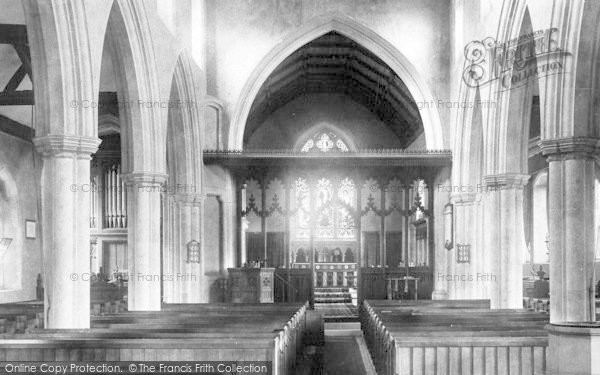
573,348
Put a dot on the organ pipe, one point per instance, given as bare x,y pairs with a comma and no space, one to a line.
115,198
119,197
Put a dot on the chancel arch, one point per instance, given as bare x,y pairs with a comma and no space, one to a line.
359,34
316,200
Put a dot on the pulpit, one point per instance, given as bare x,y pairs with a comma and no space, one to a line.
251,285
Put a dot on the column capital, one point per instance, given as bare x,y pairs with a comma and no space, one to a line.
150,178
66,144
505,181
569,148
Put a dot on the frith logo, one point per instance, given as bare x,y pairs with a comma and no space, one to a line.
513,63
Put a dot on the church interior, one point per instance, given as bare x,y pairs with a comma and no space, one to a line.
320,187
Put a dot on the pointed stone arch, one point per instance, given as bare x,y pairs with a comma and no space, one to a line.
142,112
182,215
143,135
363,36
61,68
508,119
469,138
185,117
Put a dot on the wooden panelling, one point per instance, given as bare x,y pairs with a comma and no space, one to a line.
428,338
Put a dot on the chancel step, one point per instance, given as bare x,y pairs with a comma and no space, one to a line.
332,295
331,290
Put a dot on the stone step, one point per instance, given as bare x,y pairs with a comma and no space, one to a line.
333,300
331,290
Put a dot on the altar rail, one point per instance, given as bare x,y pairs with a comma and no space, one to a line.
373,282
335,275
497,345
332,274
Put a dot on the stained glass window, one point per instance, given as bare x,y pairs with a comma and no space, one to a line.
325,214
303,216
333,210
308,145
347,198
324,142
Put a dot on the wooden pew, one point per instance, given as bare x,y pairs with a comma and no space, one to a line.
20,317
182,332
433,338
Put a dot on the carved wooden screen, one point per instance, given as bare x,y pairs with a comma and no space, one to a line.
371,248
393,248
254,246
275,249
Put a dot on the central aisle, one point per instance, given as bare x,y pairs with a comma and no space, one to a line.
345,350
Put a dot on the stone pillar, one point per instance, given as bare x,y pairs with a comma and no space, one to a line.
65,224
143,240
185,276
504,241
243,225
573,348
229,205
571,232
463,281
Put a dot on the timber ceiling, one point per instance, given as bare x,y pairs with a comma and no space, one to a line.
334,63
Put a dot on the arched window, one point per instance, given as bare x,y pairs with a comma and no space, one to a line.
324,141
303,216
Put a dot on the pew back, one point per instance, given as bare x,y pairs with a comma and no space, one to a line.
459,338
220,332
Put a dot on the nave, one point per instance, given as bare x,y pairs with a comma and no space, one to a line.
232,168
390,337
